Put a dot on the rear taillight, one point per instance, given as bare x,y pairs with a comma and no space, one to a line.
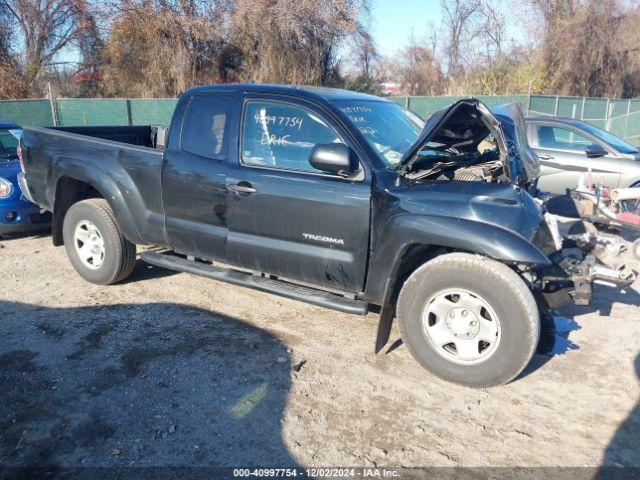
20,157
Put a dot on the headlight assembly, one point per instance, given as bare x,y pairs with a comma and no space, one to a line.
6,188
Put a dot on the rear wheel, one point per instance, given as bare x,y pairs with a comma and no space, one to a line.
95,244
469,320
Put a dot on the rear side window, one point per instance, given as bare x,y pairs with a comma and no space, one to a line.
280,135
560,138
205,126
9,143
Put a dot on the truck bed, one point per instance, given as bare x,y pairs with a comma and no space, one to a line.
150,136
109,159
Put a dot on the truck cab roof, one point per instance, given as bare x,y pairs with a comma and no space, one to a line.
309,92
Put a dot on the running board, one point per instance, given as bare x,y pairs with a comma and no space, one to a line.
264,284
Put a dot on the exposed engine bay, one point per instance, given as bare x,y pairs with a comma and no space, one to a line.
466,146
480,172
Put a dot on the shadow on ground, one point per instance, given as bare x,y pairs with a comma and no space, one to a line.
555,338
144,271
38,232
603,299
147,385
624,448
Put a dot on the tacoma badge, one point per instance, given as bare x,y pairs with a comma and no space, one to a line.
323,239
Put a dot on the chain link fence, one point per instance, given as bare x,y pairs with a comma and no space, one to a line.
620,117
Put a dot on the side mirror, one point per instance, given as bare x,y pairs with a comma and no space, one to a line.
334,158
595,151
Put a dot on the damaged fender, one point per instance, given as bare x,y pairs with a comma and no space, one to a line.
403,233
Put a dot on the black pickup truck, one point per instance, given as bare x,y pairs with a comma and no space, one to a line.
334,198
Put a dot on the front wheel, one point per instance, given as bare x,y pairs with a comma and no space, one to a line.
469,320
95,244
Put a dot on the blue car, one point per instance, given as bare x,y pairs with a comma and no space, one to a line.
16,215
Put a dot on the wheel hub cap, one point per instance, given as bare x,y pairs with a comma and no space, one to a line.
89,244
462,323
462,326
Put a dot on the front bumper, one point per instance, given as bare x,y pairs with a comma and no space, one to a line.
571,279
22,217
588,257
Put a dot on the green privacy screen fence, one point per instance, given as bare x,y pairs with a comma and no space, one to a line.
88,111
26,112
621,117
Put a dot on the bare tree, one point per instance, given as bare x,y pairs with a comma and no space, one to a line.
418,70
458,19
554,11
12,85
45,27
589,46
88,37
365,55
294,41
90,46
162,47
490,31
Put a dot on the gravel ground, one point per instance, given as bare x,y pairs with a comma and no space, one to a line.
173,369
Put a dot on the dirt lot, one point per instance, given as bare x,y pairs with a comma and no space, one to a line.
173,369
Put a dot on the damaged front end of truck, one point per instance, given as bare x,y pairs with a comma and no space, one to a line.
468,142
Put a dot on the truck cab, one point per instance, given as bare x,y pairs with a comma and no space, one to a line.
259,203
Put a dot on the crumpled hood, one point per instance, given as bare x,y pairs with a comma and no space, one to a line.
505,123
524,164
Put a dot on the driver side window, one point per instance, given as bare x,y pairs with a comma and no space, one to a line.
280,135
558,138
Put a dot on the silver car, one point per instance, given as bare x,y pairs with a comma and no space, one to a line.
568,147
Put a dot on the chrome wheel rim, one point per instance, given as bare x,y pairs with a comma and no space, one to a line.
462,326
89,244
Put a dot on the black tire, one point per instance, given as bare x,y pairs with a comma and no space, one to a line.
119,257
500,288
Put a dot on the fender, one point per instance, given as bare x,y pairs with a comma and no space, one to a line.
404,232
125,209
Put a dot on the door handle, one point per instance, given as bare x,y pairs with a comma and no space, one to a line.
544,156
241,187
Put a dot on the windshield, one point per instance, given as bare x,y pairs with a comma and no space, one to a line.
617,143
388,128
9,139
